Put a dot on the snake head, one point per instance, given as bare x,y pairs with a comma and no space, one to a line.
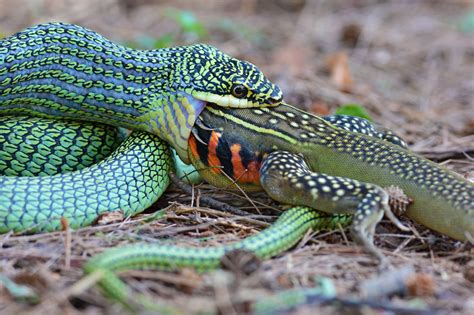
212,76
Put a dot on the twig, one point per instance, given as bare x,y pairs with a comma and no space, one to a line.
67,243
204,199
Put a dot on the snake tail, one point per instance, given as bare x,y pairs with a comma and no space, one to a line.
288,229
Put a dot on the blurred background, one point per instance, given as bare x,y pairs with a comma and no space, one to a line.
409,63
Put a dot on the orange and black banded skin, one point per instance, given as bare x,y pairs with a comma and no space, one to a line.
229,146
223,156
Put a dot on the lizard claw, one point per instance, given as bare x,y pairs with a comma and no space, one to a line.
388,212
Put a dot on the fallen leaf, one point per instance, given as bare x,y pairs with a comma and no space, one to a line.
350,34
319,108
293,59
338,66
421,284
110,217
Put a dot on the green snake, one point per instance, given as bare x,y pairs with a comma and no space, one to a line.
59,70
65,71
62,70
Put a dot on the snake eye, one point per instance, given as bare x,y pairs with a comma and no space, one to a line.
239,91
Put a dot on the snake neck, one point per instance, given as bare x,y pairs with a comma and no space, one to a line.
173,119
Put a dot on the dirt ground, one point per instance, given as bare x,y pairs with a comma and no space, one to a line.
409,63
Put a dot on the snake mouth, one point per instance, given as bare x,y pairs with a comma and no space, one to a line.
230,101
275,101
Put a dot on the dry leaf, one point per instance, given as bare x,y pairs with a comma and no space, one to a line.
193,280
350,34
319,108
64,224
293,58
421,284
397,200
338,66
110,217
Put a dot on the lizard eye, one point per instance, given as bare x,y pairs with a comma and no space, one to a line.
239,91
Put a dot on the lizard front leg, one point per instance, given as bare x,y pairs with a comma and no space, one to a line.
286,178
